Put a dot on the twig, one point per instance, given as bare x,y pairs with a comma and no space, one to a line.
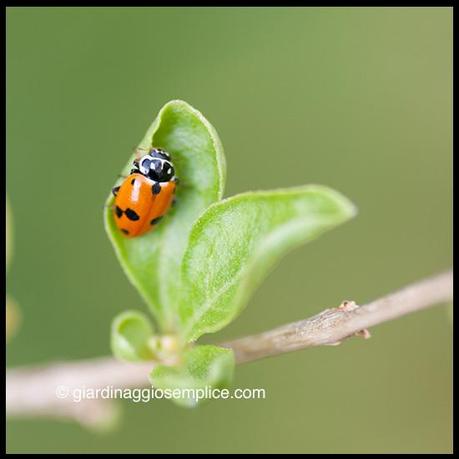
32,391
333,325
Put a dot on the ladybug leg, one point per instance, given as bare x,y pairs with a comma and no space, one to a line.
115,190
135,168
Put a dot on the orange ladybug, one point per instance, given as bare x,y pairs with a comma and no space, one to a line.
146,194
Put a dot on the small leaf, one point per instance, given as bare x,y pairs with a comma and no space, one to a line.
235,242
131,333
152,261
203,366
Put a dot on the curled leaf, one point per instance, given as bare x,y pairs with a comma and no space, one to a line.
237,241
152,262
131,336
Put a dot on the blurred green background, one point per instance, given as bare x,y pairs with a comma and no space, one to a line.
357,99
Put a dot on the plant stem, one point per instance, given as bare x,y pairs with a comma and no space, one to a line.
31,391
333,325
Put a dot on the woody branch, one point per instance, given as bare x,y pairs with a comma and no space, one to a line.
33,391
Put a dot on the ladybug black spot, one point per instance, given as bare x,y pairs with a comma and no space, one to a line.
131,214
115,190
156,188
118,212
156,220
133,181
125,231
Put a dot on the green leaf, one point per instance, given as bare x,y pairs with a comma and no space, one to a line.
235,242
152,262
130,337
203,366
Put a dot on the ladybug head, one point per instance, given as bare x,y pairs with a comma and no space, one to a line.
157,166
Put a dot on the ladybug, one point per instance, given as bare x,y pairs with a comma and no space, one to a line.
146,194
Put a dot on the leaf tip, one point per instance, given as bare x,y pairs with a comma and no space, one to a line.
345,206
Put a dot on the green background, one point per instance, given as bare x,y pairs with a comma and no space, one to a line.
357,99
